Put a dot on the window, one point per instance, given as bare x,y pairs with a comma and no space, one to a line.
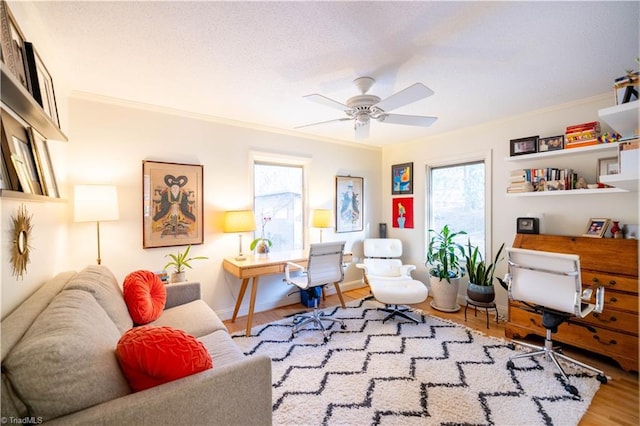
278,204
457,197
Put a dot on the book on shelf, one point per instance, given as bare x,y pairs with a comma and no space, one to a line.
593,125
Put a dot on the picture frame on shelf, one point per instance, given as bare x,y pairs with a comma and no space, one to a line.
523,146
41,83
12,45
402,179
607,166
5,183
596,227
44,164
172,204
19,155
551,143
349,204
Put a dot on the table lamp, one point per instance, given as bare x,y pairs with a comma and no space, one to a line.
95,203
321,218
239,221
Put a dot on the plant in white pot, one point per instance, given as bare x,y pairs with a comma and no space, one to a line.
180,261
480,287
445,271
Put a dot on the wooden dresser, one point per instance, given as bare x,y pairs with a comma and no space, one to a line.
610,262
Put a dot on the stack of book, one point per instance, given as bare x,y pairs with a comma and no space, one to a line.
519,182
584,134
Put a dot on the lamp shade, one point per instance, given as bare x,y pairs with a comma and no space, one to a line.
95,203
321,218
239,221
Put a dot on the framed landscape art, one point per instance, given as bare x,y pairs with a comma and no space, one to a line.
172,204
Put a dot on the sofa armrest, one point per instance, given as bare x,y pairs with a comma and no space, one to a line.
181,293
234,394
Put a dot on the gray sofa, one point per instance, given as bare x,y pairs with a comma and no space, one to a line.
59,364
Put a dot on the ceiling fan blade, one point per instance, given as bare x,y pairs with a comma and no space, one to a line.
362,130
323,122
323,100
413,93
409,120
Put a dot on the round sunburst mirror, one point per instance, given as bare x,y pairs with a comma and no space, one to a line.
20,249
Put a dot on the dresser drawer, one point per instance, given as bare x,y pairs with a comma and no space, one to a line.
614,320
609,281
611,343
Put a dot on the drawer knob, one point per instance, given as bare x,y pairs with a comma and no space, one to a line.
595,280
613,300
609,343
612,283
604,320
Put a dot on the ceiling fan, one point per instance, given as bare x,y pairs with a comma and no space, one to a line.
364,107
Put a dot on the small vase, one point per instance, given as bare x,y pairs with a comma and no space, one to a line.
615,229
177,277
262,247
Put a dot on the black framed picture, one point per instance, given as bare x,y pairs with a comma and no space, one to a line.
528,225
552,143
402,178
522,146
41,83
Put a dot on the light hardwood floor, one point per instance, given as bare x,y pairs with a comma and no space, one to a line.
616,403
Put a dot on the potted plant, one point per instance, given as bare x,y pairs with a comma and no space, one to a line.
445,271
480,287
180,261
261,243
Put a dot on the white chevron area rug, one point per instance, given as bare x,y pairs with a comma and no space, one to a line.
399,373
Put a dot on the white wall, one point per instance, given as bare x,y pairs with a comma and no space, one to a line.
109,141
564,215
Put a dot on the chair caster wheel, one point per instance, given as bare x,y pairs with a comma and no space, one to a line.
510,364
571,389
326,339
602,379
343,326
511,346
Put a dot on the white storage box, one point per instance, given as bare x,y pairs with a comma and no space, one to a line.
629,155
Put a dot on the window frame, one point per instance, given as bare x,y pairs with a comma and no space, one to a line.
458,160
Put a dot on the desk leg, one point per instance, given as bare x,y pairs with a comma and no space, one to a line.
243,288
252,304
340,295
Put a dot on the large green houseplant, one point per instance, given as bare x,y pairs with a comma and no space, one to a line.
481,276
179,262
443,263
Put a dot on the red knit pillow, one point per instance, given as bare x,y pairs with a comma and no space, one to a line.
144,295
150,356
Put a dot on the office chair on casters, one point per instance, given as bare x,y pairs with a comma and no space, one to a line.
550,283
389,280
324,266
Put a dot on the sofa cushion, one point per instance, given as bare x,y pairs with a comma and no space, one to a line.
150,356
144,295
65,361
195,318
222,348
100,282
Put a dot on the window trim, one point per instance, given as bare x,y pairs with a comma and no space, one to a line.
472,157
280,159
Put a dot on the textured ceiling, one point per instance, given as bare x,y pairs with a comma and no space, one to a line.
253,61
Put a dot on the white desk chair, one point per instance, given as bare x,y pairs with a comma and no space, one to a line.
390,281
550,283
324,266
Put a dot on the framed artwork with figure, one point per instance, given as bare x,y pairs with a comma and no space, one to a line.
349,203
402,212
172,204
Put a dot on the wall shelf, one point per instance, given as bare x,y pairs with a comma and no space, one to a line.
622,181
622,118
568,192
20,101
18,195
603,147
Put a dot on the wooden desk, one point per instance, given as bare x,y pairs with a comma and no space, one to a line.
255,266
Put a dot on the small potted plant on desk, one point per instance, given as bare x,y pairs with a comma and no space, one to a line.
480,287
445,271
180,261
261,244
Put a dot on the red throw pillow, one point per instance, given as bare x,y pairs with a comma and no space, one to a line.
144,295
150,356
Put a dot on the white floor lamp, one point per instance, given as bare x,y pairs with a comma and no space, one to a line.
95,203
